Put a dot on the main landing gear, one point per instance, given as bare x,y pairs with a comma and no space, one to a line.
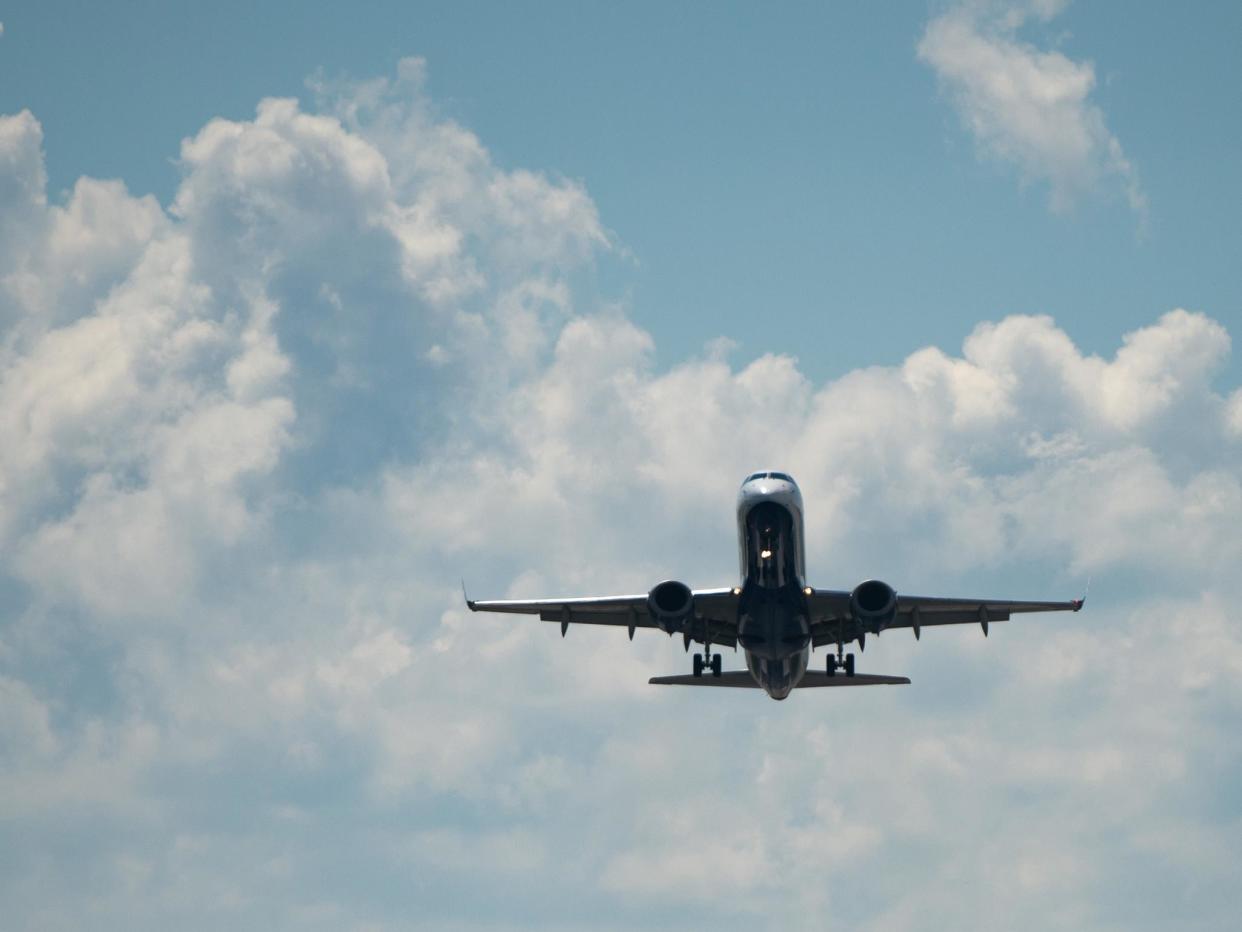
842,661
702,663
706,660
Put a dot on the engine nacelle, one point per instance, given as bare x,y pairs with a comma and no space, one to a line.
671,603
873,604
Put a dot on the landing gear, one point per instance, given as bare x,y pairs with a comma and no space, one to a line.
842,661
707,662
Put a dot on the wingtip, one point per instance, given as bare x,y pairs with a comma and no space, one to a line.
464,595
1079,603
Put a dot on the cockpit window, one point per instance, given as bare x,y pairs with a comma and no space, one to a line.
783,476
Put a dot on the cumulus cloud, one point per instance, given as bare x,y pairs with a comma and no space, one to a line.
249,444
1233,414
1026,106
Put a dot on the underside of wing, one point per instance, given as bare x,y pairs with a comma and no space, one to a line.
713,616
833,618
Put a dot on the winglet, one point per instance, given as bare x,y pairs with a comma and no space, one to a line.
1079,603
469,601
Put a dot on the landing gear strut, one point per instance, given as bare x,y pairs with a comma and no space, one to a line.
842,661
707,660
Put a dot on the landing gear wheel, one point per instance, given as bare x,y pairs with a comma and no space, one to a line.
832,665
849,664
716,665
698,664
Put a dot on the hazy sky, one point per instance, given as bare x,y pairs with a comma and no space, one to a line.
306,314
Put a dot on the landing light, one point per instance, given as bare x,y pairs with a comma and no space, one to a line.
765,554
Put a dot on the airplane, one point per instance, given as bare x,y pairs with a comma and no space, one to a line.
774,616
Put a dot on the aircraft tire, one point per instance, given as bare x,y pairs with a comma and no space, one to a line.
698,664
832,665
849,664
716,662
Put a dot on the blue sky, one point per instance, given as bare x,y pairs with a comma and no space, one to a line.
793,165
304,317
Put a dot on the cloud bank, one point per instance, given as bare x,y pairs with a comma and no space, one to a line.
250,442
1025,106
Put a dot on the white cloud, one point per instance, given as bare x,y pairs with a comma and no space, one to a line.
1026,106
246,457
1233,414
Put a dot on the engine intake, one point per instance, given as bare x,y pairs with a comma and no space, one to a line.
670,603
874,604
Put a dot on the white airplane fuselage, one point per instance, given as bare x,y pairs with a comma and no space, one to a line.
773,624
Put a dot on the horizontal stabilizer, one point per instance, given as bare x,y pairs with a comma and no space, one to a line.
736,678
818,678
813,678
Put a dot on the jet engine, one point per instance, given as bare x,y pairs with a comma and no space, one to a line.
873,604
671,603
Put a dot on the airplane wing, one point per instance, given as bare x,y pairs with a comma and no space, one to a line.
715,613
831,619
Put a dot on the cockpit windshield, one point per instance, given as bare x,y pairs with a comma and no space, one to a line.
783,476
